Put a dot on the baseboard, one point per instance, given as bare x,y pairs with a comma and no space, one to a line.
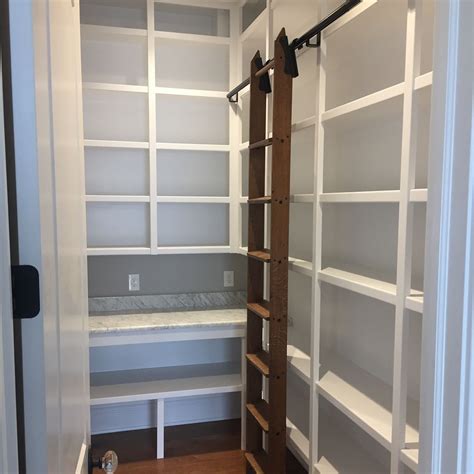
182,411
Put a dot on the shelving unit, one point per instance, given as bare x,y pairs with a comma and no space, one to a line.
370,200
138,97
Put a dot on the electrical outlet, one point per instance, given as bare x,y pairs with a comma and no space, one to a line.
228,278
134,282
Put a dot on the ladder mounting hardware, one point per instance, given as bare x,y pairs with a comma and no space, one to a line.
291,66
264,84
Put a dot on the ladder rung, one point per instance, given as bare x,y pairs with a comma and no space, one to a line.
260,309
259,410
260,361
262,255
258,461
260,200
261,144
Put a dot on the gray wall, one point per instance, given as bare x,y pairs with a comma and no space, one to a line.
165,274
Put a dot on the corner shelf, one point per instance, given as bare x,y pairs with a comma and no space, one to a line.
365,399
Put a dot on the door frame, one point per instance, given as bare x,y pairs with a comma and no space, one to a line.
447,391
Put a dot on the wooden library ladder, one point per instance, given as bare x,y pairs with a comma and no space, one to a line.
268,417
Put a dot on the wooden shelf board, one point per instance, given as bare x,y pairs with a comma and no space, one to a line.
190,92
363,398
115,144
191,147
425,80
384,102
409,457
256,29
297,442
300,266
257,461
419,195
260,309
361,197
262,255
377,289
415,303
259,410
170,35
187,250
341,453
166,382
103,86
115,198
299,362
99,31
91,251
260,361
194,199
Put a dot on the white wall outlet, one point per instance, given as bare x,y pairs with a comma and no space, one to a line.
228,279
134,282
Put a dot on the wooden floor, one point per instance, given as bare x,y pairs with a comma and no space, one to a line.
189,449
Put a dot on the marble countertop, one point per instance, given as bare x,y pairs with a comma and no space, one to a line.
169,320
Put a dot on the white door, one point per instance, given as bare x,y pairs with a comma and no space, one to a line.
8,443
47,117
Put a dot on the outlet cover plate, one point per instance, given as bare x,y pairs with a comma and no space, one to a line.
228,279
134,282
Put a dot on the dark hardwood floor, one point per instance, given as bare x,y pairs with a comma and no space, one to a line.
189,449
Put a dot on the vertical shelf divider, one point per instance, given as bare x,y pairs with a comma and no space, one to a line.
152,126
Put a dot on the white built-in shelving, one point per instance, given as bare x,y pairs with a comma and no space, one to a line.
149,117
370,193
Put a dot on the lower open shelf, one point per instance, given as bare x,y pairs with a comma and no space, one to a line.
164,382
365,399
340,453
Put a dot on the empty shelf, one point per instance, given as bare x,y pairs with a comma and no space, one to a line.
409,457
377,289
261,144
260,200
340,453
415,303
165,382
259,410
297,442
360,197
300,266
364,398
260,309
262,255
258,461
299,362
260,361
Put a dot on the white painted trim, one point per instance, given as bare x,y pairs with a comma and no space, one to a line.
220,4
194,199
447,363
192,147
81,465
110,198
192,37
118,251
103,86
160,428
171,335
115,144
97,31
362,196
191,92
192,250
425,80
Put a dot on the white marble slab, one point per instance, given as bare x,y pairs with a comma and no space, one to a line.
161,303
122,323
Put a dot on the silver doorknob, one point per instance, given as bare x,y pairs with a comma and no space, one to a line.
109,461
